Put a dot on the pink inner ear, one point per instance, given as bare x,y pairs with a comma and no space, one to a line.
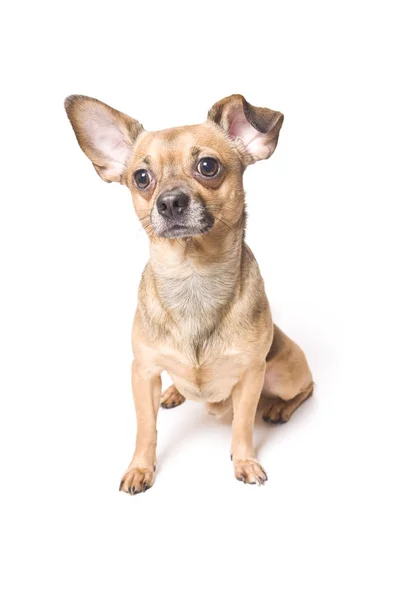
240,128
108,139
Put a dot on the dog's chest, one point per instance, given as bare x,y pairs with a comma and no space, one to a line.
199,348
210,380
195,303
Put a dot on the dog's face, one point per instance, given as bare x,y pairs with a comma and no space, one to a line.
184,181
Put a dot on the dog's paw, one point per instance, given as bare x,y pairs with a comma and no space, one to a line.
137,480
277,412
249,470
171,398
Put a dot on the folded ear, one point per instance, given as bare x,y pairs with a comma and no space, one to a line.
255,130
104,134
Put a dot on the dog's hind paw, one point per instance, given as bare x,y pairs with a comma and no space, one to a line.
171,398
277,412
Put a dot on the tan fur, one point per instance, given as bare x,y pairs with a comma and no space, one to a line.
202,312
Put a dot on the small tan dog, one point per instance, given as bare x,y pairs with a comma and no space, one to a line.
202,313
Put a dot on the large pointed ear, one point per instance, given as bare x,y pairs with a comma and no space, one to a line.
104,134
255,130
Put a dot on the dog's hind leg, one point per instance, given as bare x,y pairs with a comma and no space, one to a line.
280,411
171,398
288,380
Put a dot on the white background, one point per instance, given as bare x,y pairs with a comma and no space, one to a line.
322,226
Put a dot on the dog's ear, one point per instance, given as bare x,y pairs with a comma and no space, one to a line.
255,130
104,134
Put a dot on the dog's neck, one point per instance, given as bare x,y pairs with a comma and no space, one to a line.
197,278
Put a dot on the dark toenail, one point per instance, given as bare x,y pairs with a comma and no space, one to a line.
121,485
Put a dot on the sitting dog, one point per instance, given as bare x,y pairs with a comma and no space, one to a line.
202,312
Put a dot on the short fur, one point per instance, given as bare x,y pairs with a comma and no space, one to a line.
202,312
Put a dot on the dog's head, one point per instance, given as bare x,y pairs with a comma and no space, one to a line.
184,181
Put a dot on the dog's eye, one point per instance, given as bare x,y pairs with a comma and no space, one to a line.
142,178
209,167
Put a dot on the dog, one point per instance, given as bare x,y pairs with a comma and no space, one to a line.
202,314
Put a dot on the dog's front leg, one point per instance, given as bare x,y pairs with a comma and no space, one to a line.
245,398
146,391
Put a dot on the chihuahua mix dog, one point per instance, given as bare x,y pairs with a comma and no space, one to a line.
202,312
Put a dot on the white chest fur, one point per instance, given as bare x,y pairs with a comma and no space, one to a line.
196,299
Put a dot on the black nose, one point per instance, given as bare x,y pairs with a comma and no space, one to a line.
172,203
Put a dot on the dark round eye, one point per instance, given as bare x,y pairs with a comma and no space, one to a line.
209,167
142,178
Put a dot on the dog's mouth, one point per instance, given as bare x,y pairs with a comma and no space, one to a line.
179,230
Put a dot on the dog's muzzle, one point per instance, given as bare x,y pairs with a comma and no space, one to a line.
176,214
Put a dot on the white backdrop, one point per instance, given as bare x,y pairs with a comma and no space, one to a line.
322,226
